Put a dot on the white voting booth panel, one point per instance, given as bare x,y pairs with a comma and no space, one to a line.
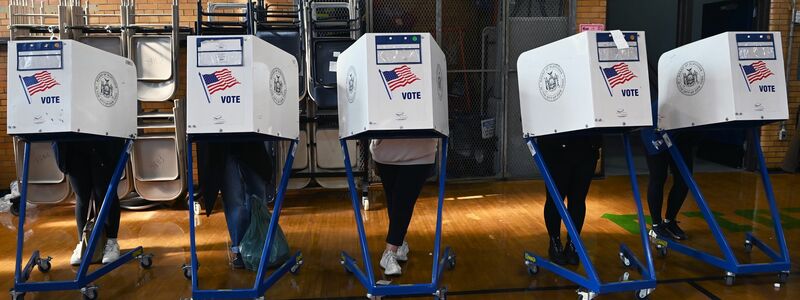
732,76
66,86
241,84
392,82
594,79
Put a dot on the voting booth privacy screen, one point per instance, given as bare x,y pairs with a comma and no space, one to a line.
68,87
733,76
594,79
392,82
241,84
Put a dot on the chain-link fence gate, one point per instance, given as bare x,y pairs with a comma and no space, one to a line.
485,132
530,23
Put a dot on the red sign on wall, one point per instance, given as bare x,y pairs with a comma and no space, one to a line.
592,27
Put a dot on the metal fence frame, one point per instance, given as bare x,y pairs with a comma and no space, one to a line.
503,67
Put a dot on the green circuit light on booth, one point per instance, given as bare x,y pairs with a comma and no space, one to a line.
414,38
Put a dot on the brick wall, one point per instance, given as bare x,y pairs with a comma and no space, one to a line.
591,12
774,149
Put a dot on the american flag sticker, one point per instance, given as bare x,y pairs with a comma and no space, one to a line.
618,74
37,83
397,78
756,71
217,81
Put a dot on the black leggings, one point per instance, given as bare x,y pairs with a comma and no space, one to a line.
572,172
89,177
402,185
658,165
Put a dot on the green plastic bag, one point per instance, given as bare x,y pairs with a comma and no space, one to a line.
253,242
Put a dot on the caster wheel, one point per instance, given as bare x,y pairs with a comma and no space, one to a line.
296,267
451,261
748,246
346,269
585,295
441,294
625,277
730,279
89,293
14,208
365,202
146,262
625,261
187,272
533,270
642,295
43,265
783,276
17,296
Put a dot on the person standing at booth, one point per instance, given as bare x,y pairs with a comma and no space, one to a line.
572,160
658,165
403,165
89,166
240,172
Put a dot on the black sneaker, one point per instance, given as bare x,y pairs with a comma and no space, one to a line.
677,232
571,254
661,231
238,261
556,251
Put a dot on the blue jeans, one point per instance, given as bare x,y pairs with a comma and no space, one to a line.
240,183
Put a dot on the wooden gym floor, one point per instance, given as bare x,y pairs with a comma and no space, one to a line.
488,224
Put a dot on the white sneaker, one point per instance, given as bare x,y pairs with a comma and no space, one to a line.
402,252
111,252
76,255
389,263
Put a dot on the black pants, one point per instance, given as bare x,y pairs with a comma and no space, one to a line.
91,168
658,166
402,185
571,163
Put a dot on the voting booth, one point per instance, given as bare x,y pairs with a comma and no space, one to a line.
729,77
732,80
393,85
585,81
64,90
241,84
392,82
241,88
69,87
591,81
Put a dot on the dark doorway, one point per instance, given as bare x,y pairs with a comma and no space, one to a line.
669,24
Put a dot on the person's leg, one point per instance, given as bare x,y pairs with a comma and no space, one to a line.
234,200
580,180
101,177
388,177
552,219
679,190
657,165
80,179
254,184
408,185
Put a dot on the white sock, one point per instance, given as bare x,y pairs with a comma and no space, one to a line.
110,240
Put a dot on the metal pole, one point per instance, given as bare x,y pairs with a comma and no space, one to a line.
504,90
789,49
573,16
439,21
